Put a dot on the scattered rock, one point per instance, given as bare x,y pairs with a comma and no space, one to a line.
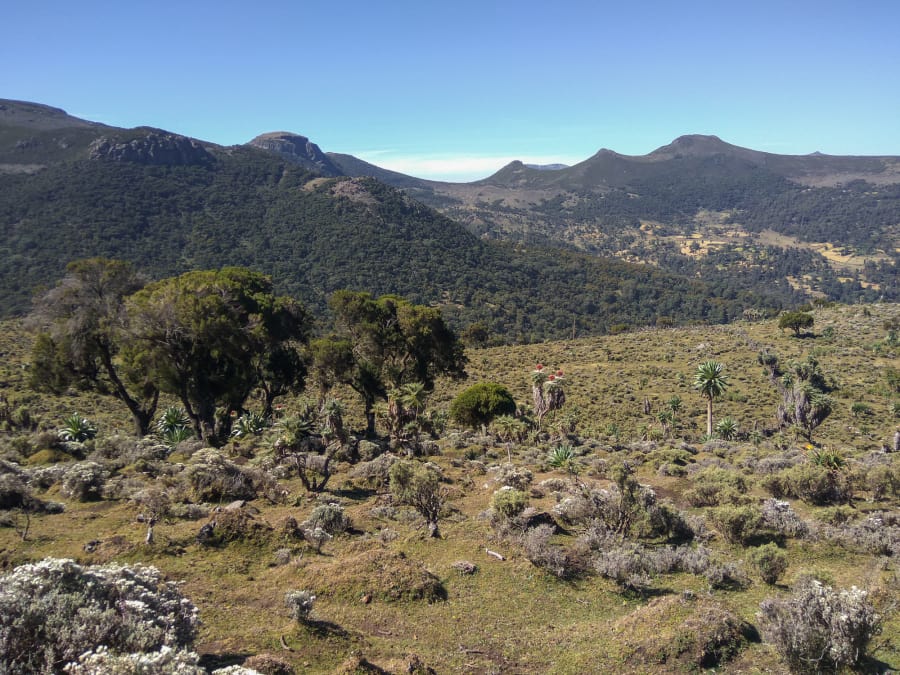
465,567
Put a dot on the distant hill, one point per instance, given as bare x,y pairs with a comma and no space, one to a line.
829,225
70,189
826,225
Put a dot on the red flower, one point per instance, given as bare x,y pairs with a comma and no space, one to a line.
551,378
539,367
559,373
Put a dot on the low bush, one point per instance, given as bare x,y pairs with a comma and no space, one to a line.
819,629
780,517
84,481
517,477
329,518
878,533
770,562
737,524
54,611
214,478
814,484
507,503
163,662
300,604
714,486
479,404
555,559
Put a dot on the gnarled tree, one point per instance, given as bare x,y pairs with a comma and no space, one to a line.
212,337
384,343
82,326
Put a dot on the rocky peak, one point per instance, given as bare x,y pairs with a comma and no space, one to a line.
156,148
297,149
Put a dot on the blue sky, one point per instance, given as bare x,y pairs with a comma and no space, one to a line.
455,90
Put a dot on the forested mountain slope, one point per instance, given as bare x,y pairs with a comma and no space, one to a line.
169,204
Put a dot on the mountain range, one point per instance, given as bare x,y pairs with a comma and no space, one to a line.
681,234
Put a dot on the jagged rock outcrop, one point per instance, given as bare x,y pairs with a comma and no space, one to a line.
156,148
297,149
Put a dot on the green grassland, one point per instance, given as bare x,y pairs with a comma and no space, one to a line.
385,591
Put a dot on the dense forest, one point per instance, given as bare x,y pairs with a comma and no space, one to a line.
315,235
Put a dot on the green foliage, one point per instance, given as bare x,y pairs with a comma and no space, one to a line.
770,562
726,429
76,429
509,428
795,321
385,343
481,403
251,208
83,327
208,338
738,524
563,457
419,485
507,502
174,426
814,484
805,400
892,377
710,380
249,424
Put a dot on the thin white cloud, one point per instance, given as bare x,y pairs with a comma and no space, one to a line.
455,167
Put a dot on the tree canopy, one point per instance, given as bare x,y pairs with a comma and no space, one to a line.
81,323
383,343
212,337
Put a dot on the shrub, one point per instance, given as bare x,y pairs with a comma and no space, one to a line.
714,486
550,557
214,478
163,662
53,611
517,477
419,486
267,664
328,517
737,524
84,481
233,525
879,533
300,604
770,561
507,502
479,404
812,483
819,629
376,472
780,517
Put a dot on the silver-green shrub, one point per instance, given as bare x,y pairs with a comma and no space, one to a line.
84,481
300,604
819,629
53,611
166,661
329,517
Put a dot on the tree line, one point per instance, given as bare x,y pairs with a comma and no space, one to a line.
213,338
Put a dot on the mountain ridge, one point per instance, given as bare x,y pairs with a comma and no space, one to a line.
137,196
698,206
